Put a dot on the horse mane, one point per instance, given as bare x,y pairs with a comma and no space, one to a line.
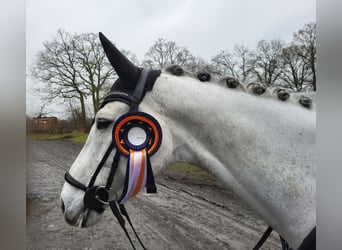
304,99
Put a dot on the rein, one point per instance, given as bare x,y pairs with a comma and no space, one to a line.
97,197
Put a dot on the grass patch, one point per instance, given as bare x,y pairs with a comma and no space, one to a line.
80,138
187,168
43,136
74,137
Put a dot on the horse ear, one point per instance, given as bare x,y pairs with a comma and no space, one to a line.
125,69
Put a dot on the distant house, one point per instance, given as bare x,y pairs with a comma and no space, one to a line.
44,124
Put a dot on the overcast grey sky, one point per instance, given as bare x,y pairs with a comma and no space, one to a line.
204,27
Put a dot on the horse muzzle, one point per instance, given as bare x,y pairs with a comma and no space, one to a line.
86,210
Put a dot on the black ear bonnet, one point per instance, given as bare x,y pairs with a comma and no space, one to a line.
128,73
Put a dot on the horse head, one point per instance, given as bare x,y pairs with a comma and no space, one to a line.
98,148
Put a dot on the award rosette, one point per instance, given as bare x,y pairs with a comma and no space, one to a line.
137,136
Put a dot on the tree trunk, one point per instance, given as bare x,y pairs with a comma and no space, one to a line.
83,117
313,76
93,95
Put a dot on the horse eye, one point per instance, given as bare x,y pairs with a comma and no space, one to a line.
103,123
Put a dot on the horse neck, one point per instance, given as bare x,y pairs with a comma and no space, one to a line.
261,149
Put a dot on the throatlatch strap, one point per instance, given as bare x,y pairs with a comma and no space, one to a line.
139,90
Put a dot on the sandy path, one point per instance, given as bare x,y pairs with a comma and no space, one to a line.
189,212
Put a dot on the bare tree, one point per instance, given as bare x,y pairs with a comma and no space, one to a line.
238,64
225,64
306,40
42,111
296,72
245,63
164,53
75,117
73,67
94,71
267,61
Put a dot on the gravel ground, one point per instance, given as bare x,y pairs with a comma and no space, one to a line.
188,212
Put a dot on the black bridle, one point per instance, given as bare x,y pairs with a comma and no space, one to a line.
97,197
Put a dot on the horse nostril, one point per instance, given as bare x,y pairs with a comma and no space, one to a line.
62,206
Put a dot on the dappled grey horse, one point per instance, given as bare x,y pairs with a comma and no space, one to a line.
261,148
